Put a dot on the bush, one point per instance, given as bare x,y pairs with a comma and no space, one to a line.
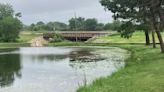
57,38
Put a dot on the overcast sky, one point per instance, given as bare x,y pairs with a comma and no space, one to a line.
58,10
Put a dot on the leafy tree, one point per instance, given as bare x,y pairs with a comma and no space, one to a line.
50,26
60,26
91,24
77,23
113,26
107,26
57,38
40,26
143,12
100,27
10,25
6,10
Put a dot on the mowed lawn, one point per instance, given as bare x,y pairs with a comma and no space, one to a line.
138,37
27,36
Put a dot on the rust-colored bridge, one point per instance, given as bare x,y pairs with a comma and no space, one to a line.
80,35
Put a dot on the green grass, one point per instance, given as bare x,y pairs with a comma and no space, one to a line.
24,38
138,37
27,36
144,72
13,45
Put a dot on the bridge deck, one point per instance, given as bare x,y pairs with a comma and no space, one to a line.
81,35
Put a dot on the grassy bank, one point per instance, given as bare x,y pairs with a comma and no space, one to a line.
27,36
24,38
144,72
13,45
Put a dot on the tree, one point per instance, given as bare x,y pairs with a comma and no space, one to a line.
126,11
114,26
139,12
91,24
60,26
50,26
40,26
10,25
100,27
6,10
107,26
156,16
77,23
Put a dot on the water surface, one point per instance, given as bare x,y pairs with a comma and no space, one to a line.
56,69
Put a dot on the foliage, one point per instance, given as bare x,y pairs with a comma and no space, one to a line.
126,29
115,26
99,27
50,26
57,38
10,25
139,12
82,24
91,24
77,24
6,10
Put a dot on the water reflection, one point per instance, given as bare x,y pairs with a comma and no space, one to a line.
61,69
50,58
10,68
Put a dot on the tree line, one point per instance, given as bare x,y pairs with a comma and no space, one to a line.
75,24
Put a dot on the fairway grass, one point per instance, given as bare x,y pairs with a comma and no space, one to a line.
144,72
27,36
138,37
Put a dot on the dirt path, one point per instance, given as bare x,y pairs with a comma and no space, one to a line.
38,42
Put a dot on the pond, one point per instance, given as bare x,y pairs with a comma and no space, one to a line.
56,69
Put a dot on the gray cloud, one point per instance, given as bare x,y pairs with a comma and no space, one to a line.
58,10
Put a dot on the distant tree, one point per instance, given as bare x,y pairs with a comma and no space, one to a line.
59,26
91,24
32,27
107,26
40,26
10,25
77,23
114,26
50,26
100,27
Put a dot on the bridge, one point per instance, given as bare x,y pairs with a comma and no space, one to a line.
78,35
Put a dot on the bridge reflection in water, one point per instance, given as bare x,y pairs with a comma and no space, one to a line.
78,35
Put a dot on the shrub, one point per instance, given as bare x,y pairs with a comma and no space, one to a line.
57,38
